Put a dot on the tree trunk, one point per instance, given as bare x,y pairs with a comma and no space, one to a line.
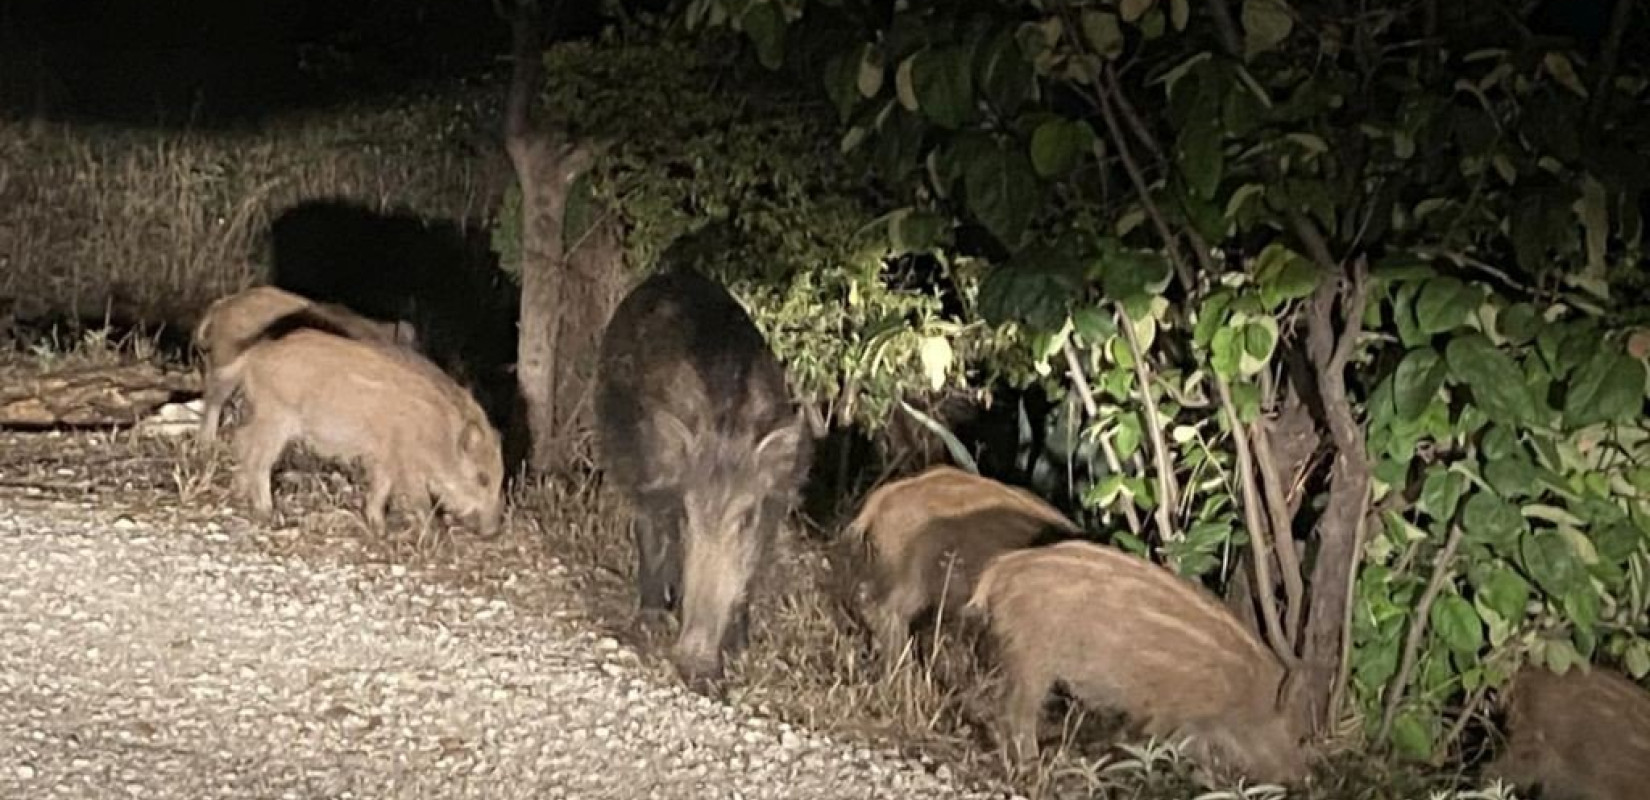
1340,529
568,288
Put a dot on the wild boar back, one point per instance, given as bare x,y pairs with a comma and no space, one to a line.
417,431
1583,735
1125,634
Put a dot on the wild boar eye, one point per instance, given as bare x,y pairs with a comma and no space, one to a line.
481,479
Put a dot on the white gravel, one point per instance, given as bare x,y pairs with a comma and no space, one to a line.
140,662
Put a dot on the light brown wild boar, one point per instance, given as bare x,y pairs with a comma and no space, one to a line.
417,432
924,539
1124,634
232,323
1583,735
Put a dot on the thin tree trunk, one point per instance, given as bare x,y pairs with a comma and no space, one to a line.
567,288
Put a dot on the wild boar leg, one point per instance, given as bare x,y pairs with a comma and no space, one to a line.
383,483
1028,687
257,448
658,532
215,393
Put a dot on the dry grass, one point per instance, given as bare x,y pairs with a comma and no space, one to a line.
152,225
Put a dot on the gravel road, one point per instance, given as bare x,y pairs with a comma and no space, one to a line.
175,661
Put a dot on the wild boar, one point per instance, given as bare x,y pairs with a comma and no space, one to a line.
925,538
233,323
1124,634
416,431
1583,735
697,430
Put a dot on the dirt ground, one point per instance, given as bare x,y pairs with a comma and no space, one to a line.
154,643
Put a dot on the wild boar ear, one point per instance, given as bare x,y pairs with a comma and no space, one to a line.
672,441
777,451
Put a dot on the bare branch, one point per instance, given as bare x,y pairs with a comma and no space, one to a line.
1441,571
1260,556
1226,28
1074,366
526,70
1283,537
1168,489
1141,189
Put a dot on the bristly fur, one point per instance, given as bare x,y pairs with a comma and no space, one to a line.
697,429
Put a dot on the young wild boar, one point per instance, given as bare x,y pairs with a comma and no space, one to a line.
925,538
417,432
233,323
1127,635
698,432
1583,735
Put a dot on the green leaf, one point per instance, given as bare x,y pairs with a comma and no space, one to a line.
1411,737
1003,193
1595,220
1260,338
765,26
1005,78
1550,561
1558,65
1094,325
1058,145
1179,12
1200,155
841,76
912,230
1504,591
1132,9
1581,606
1497,384
1283,275
1102,33
1128,435
1213,315
1512,477
942,82
1492,521
1444,304
1519,323
1132,277
1266,23
1441,492
1609,387
1456,623
1416,382
1033,288
1224,353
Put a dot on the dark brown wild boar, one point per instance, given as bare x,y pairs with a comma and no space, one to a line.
925,538
234,322
416,431
699,433
1127,635
1583,735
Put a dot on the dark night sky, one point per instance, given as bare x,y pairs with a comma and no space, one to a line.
210,62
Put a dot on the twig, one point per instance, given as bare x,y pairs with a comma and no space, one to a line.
1441,572
1138,178
1343,672
1075,367
1283,537
1225,28
1468,710
1168,490
1260,556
